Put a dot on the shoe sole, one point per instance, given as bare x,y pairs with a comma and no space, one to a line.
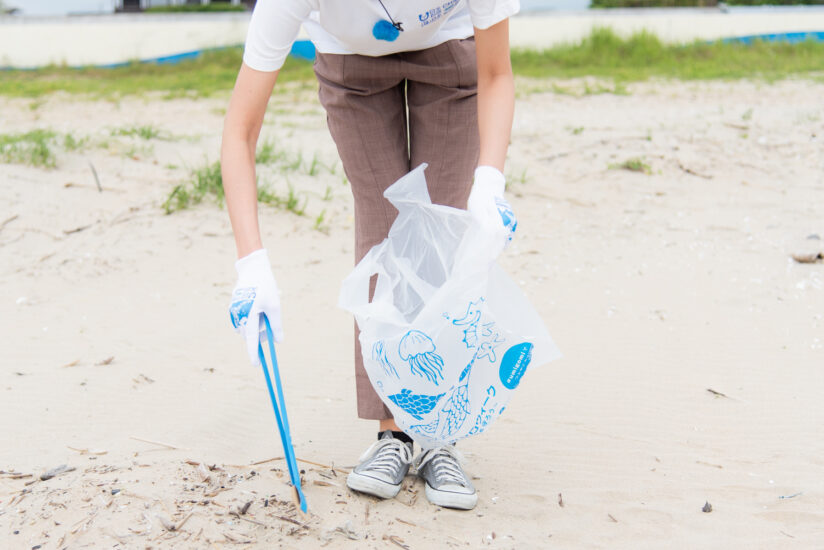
446,499
371,486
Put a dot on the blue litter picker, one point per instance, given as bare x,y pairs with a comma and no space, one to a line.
280,413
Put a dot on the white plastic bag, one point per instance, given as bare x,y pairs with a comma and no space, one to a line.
448,335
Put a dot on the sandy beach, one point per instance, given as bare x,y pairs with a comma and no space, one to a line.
693,343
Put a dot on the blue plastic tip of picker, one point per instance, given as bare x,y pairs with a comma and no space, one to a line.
279,405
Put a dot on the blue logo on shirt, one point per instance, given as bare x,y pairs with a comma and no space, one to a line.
430,16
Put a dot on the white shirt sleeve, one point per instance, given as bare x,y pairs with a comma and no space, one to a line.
272,31
485,13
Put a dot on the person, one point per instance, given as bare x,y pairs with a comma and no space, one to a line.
402,82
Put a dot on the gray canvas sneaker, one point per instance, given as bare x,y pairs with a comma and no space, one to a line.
446,483
382,468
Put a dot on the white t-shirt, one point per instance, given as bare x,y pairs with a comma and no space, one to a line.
348,26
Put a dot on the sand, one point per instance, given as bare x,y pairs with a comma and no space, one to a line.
693,343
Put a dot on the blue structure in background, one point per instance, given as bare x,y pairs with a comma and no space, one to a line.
302,49
789,37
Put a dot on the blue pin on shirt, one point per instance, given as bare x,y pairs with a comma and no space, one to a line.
384,30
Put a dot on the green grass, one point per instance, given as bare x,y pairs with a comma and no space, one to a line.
601,54
146,132
286,162
71,143
205,181
266,153
290,202
33,148
320,224
515,178
643,55
633,165
210,73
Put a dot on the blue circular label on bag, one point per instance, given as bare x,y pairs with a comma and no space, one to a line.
514,364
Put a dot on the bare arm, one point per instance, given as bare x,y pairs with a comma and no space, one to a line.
241,129
496,93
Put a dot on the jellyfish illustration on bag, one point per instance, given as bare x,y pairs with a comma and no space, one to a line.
379,355
419,351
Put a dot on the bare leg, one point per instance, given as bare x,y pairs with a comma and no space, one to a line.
388,424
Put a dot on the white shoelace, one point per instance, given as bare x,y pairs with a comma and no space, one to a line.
445,465
390,456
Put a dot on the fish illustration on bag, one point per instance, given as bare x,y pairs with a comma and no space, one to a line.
457,404
454,412
417,405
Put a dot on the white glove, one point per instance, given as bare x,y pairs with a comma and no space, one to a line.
255,292
487,204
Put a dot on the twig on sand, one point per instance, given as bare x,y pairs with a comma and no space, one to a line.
719,394
155,443
397,541
183,521
82,524
612,518
15,475
87,451
250,520
62,469
560,500
259,462
406,522
237,539
290,520
8,221
245,508
77,229
115,536
692,172
96,179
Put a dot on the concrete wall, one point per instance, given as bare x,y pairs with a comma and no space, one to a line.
99,40
671,25
107,39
